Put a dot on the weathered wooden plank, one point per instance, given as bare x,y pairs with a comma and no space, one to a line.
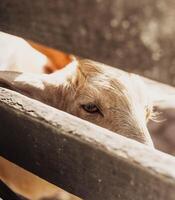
82,158
135,35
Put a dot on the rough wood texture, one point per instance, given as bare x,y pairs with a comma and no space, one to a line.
134,35
82,158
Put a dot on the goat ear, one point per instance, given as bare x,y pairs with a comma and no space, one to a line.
26,83
69,74
39,85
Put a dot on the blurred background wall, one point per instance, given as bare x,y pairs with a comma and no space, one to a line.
134,35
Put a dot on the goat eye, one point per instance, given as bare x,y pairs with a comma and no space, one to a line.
91,108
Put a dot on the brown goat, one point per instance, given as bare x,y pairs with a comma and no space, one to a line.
100,94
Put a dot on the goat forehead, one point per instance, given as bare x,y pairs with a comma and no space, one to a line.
106,91
118,93
114,86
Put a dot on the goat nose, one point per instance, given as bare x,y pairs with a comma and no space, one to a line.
148,141
140,133
145,137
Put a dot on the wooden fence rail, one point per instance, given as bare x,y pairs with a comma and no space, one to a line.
80,157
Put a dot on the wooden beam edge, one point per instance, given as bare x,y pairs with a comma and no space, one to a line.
115,148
